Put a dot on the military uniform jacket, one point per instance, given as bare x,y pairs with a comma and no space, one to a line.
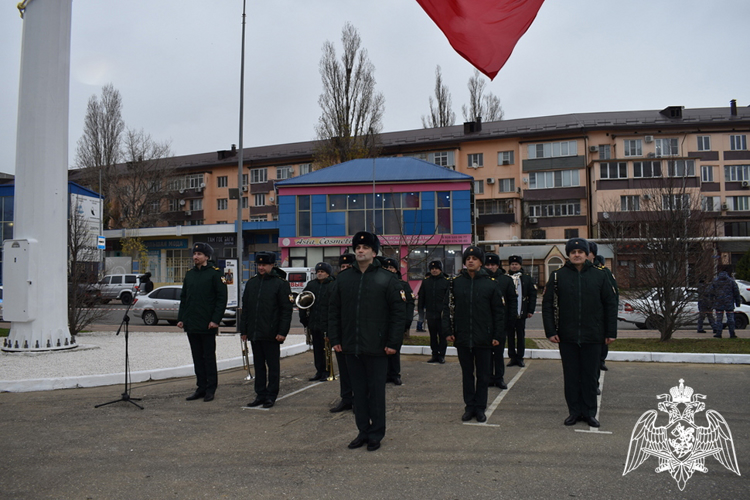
509,295
203,299
479,310
725,293
586,305
367,311
432,294
409,303
316,317
266,307
528,292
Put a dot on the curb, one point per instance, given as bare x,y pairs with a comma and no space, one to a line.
50,384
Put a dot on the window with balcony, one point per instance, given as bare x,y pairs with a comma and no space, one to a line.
738,203
487,207
735,173
613,170
553,179
552,149
554,209
645,169
196,204
681,168
680,201
630,203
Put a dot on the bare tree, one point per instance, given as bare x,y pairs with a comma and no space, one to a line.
98,150
83,257
486,106
441,108
137,190
352,110
669,236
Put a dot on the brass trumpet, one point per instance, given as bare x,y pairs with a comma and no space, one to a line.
329,361
245,358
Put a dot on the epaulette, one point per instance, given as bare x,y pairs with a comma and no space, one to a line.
217,268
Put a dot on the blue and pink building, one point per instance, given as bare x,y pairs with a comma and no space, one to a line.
419,210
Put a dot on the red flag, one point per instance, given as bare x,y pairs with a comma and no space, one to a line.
484,32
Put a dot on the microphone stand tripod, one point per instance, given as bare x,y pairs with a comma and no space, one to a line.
126,394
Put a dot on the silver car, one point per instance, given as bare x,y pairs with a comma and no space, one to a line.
164,304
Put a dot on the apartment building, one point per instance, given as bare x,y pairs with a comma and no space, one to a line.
551,177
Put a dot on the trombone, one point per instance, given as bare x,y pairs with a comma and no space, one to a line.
245,358
329,361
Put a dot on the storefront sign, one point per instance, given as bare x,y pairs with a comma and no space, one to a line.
395,240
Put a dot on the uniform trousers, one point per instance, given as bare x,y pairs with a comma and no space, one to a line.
368,383
266,355
345,381
719,322
580,369
475,388
517,338
319,351
203,349
438,344
394,366
497,367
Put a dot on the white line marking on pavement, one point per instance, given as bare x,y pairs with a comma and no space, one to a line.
594,430
498,399
283,397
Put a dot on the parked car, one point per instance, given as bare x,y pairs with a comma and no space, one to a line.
164,304
636,310
744,287
122,287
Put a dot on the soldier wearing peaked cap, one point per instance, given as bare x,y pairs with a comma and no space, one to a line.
315,318
430,304
267,307
203,300
508,292
345,382
394,362
474,316
366,323
579,310
524,309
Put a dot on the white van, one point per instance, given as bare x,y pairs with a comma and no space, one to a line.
298,277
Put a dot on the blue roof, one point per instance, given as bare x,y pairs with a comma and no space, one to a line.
396,169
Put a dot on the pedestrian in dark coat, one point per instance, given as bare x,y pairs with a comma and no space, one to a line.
366,322
509,295
474,316
203,300
430,305
315,318
705,305
726,295
579,310
266,318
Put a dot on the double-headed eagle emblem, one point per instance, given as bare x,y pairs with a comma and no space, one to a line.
681,446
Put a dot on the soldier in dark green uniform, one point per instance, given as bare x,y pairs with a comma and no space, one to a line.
345,382
202,303
430,304
394,362
266,317
366,322
508,292
526,292
315,318
474,316
579,310
598,262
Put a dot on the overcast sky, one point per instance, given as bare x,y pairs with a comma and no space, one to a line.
177,63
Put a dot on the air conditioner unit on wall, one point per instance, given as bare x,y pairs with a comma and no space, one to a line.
182,202
593,149
491,180
746,184
244,188
506,162
724,206
188,213
649,138
533,220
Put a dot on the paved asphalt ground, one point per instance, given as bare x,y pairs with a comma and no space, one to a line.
55,444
